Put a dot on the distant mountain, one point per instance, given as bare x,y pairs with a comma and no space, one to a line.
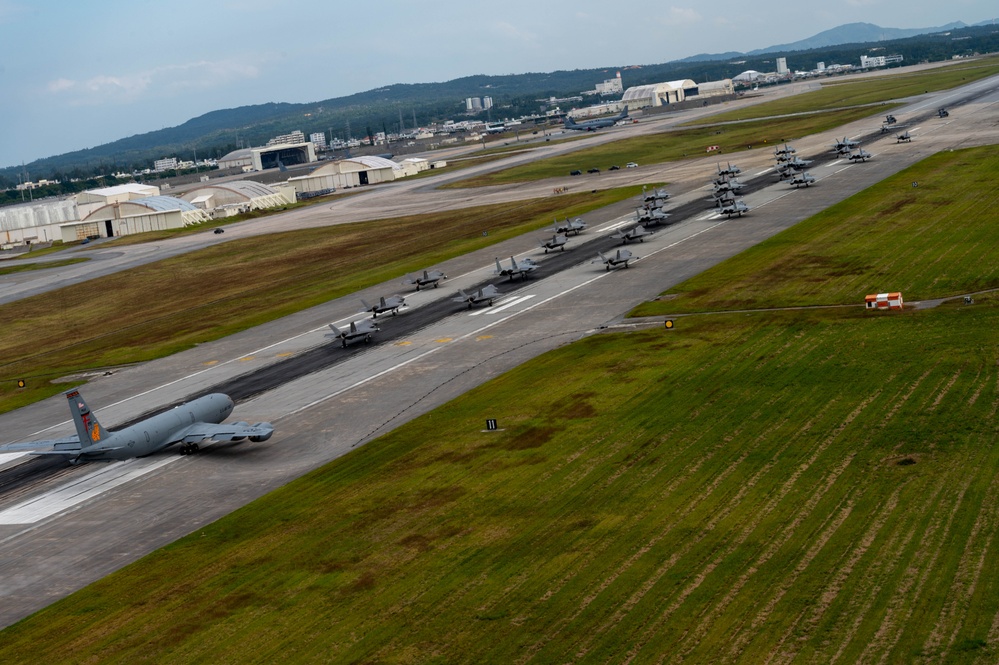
851,33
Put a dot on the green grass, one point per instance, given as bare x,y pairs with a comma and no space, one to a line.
837,93
74,329
809,485
25,267
930,241
668,147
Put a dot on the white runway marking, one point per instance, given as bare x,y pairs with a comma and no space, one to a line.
74,493
496,310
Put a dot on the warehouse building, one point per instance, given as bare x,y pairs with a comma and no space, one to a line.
239,195
658,94
154,213
346,173
37,222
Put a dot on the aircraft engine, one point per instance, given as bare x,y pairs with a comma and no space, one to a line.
262,437
241,423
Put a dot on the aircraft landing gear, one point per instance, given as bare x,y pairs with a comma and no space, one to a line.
189,448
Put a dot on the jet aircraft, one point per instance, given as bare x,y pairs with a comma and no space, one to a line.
521,269
619,258
357,330
429,278
654,216
733,208
802,178
637,232
785,151
727,184
905,137
594,125
187,424
557,241
390,304
574,226
797,163
860,155
487,293
729,170
655,195
844,146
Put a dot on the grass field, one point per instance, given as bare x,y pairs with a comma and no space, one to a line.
795,486
668,147
75,329
25,267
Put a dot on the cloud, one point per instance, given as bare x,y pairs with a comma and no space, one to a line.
512,32
680,16
159,82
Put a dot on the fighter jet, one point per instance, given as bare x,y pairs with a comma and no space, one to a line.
390,304
905,137
844,146
557,241
786,151
784,171
429,277
619,258
729,170
728,184
358,330
655,194
733,208
860,155
575,226
522,269
637,232
799,179
797,163
188,424
653,216
487,293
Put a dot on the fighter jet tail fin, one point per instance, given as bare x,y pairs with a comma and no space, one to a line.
87,427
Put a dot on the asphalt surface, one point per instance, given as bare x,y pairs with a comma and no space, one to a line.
62,527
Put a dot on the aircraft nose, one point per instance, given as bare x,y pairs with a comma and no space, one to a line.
228,405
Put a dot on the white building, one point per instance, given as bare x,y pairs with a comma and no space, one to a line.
318,139
165,164
295,137
346,173
270,156
242,195
154,213
610,86
658,94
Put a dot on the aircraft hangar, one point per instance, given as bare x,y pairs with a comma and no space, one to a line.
241,194
658,94
121,218
344,173
269,157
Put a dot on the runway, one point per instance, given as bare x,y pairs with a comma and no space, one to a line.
63,534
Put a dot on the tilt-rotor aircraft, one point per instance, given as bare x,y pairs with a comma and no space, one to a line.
594,125
187,424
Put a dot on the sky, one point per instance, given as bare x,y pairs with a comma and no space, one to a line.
75,75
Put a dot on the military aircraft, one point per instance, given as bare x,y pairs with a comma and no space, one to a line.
653,216
390,304
619,258
785,151
487,293
733,208
860,155
187,424
357,330
729,170
522,269
557,241
905,137
797,163
802,178
844,146
594,125
785,171
727,184
637,232
890,119
429,278
656,194
575,226
943,113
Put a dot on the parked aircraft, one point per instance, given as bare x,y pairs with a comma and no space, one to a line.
727,184
797,163
860,155
390,304
733,208
637,232
905,137
187,424
729,170
575,226
521,269
802,178
785,151
429,278
943,113
656,194
890,120
844,146
654,216
557,241
619,258
487,293
357,330
594,125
